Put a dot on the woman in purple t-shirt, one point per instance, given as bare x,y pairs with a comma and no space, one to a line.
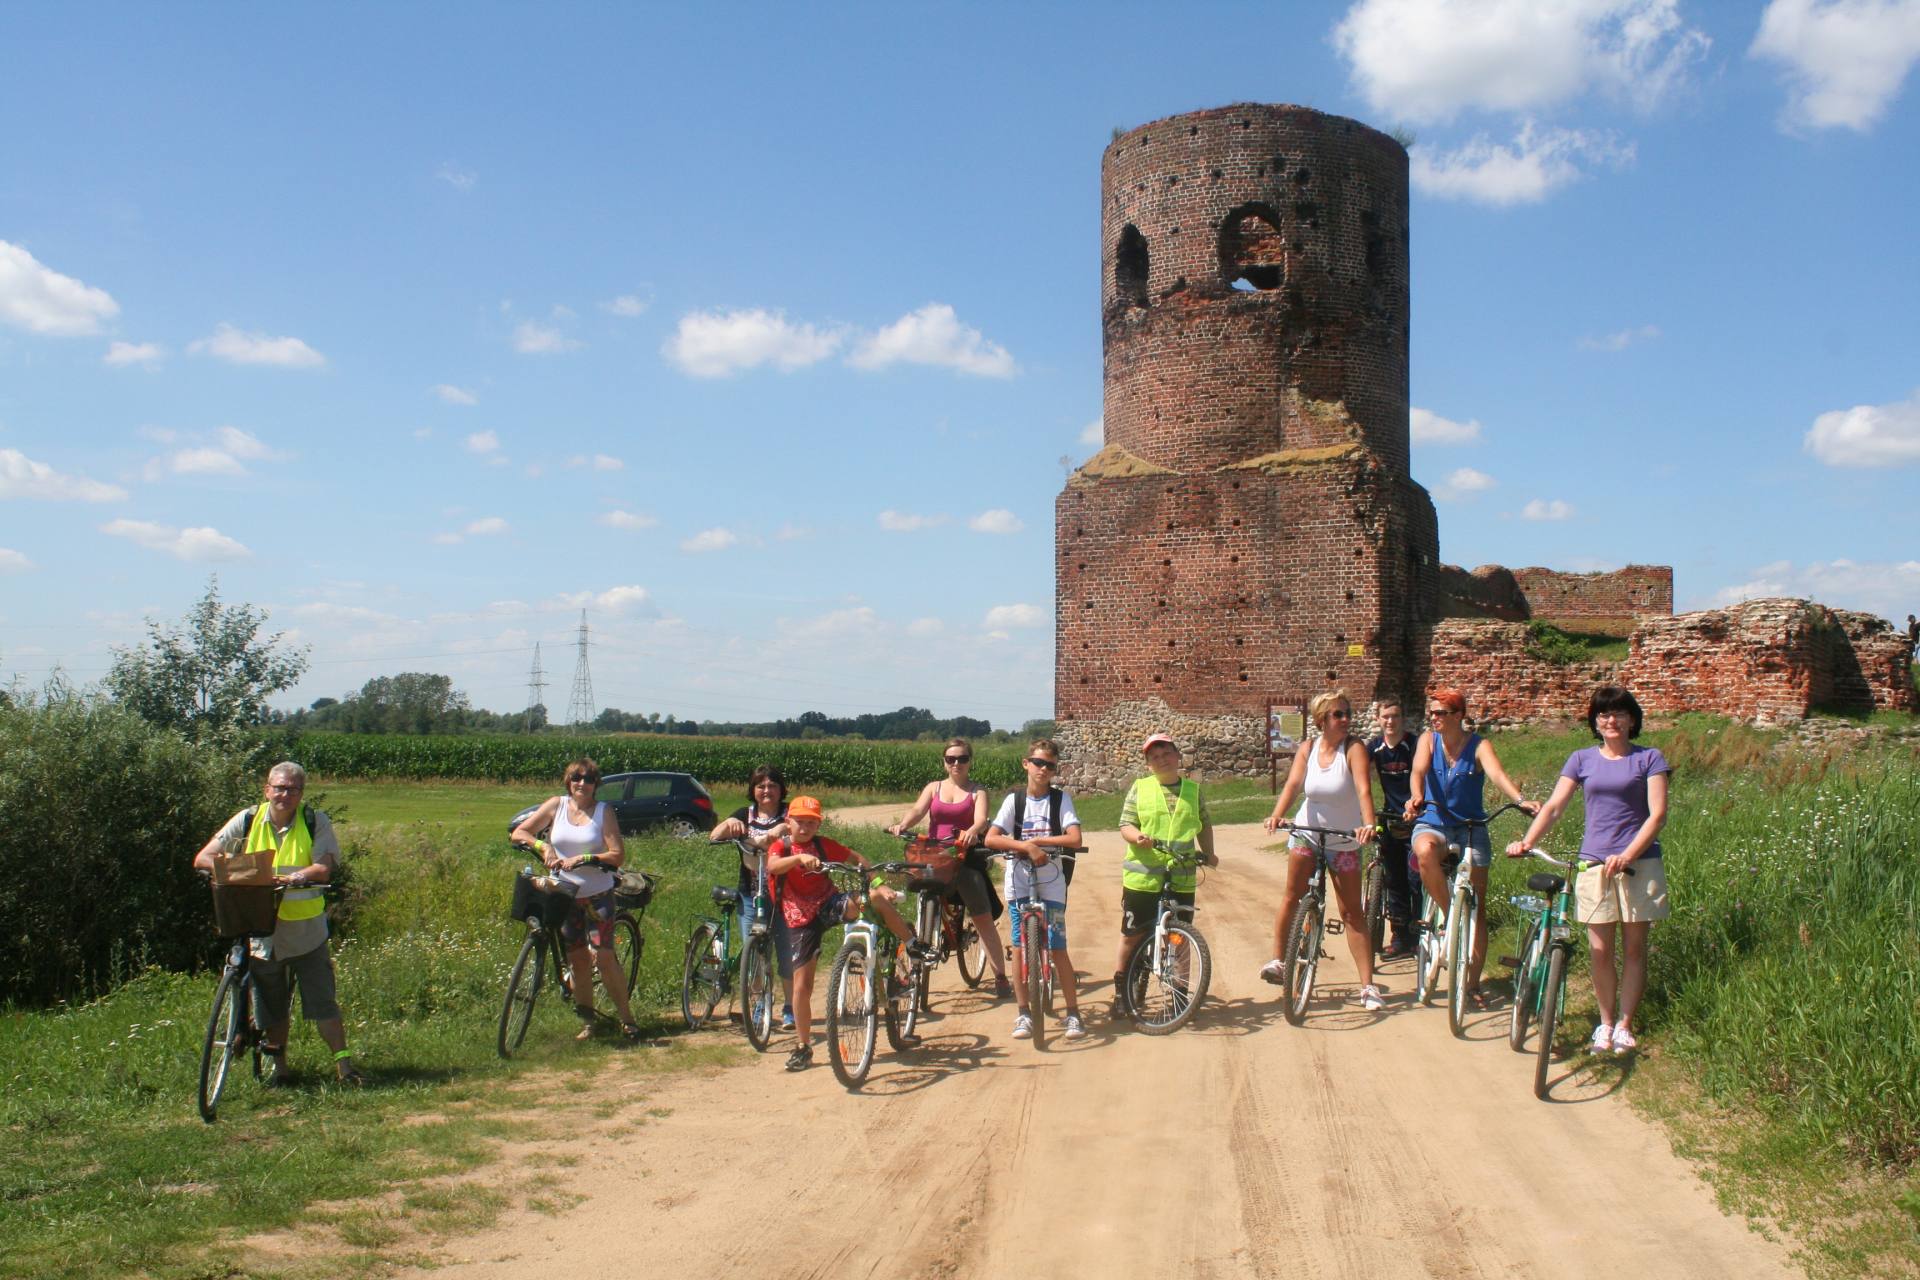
1624,880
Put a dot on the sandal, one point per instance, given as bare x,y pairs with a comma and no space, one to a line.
586,1023
1479,999
347,1073
631,1030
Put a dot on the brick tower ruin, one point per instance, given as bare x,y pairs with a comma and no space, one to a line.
1250,530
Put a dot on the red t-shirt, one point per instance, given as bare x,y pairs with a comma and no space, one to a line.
802,891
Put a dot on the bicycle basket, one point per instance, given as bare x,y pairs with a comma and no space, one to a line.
245,910
532,901
632,890
931,870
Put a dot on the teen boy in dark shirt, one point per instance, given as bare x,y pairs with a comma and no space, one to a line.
1391,751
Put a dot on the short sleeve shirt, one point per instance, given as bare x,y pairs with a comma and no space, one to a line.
1050,884
1615,792
802,892
1394,767
291,938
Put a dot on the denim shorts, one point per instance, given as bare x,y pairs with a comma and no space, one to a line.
1470,838
1056,922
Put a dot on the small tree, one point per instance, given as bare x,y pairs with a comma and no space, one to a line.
212,672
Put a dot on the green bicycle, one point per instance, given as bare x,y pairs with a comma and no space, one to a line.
1540,970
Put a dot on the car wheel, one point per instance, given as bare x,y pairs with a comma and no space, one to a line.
681,828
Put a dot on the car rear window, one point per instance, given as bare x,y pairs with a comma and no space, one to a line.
655,788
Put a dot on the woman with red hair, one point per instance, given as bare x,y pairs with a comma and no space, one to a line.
1450,771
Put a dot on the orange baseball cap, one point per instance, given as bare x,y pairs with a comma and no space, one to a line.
1154,740
804,807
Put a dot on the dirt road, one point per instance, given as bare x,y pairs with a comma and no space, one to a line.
1358,1145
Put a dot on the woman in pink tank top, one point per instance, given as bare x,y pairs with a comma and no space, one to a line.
956,810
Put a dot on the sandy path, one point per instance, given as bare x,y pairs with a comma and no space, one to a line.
1358,1145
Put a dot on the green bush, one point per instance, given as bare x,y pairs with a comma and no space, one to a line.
880,766
100,813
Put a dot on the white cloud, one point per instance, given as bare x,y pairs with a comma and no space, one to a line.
22,477
1428,427
792,532
237,347
1843,61
1004,616
146,353
717,344
455,395
242,444
482,442
627,305
906,522
1886,588
925,628
627,520
1094,433
194,462
622,599
998,520
1546,509
1868,435
461,180
12,561
39,299
1462,484
1428,60
933,335
533,338
486,525
1537,163
186,544
711,540
1621,340
599,462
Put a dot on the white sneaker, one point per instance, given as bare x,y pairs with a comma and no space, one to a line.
1371,999
1274,971
1023,1028
1070,1028
1602,1039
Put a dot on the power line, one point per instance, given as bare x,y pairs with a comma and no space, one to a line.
580,705
536,686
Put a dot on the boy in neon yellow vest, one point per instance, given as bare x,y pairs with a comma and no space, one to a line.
1168,808
305,853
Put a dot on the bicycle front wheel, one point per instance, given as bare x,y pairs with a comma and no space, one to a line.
756,991
523,987
852,1020
1033,963
1550,996
628,947
971,954
1525,984
902,988
1373,892
1459,949
1303,957
1164,990
700,976
1428,957
226,1028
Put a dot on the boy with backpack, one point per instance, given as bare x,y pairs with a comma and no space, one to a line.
1029,823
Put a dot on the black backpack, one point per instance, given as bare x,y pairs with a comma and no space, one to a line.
306,812
1053,821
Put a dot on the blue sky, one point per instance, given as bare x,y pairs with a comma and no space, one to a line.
766,334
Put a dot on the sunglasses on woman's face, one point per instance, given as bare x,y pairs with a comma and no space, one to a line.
1339,715
580,777
957,759
1041,762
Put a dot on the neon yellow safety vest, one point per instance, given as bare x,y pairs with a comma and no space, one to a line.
289,854
1179,827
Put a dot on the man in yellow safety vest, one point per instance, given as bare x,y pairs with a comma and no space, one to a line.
305,854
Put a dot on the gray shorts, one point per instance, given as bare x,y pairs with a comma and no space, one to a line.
273,997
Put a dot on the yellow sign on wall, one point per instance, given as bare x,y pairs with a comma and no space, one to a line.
1356,651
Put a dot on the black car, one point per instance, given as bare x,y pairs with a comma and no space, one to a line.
675,801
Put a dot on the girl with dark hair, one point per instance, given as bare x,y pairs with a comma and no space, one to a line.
761,821
1625,791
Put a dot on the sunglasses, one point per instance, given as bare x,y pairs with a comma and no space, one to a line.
957,759
1439,711
1039,763
580,777
1339,715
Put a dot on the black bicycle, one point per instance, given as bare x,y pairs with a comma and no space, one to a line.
545,910
707,972
241,913
1167,977
1308,926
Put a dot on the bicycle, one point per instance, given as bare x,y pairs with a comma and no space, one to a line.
1175,962
1373,885
708,970
1540,970
241,914
1444,941
853,1012
1035,957
544,911
1309,925
942,927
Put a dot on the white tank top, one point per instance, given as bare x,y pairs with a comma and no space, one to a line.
573,839
1328,798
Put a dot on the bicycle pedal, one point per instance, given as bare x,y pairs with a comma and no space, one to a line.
1336,927
1512,962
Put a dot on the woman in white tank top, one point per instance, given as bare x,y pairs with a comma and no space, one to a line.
1331,774
579,828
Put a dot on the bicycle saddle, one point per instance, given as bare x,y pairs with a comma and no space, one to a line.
1546,882
725,897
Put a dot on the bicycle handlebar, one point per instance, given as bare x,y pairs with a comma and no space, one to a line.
1014,855
1317,831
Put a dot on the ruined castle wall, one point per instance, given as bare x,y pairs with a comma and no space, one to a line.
1504,685
1609,603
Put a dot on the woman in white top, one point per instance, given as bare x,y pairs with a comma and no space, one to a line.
583,843
1330,774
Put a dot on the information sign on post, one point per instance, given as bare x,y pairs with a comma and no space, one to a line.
1286,728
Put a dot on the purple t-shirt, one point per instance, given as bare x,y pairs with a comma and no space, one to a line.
1616,798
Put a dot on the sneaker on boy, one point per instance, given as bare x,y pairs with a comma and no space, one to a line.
1032,821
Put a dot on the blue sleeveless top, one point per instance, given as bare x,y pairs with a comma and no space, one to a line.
1458,792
